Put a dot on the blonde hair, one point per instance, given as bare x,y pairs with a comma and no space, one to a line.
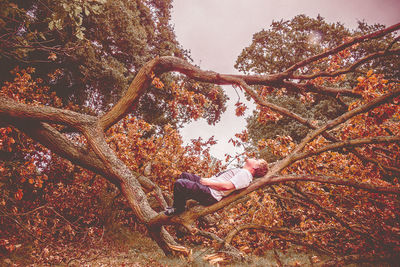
261,169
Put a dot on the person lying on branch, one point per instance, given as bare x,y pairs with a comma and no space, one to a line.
208,191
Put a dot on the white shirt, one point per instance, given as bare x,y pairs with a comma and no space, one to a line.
240,178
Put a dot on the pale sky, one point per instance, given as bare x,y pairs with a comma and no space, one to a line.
216,31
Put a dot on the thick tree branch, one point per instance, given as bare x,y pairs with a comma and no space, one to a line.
11,109
100,157
59,144
187,218
138,86
169,64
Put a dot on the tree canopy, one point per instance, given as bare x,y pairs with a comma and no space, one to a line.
96,48
287,42
333,190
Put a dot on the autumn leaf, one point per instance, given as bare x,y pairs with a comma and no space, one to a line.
240,109
18,194
52,56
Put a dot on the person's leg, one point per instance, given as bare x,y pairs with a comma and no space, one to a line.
182,188
185,189
189,176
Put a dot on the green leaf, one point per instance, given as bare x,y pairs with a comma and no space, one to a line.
87,12
77,11
96,9
42,35
80,20
66,7
57,24
79,34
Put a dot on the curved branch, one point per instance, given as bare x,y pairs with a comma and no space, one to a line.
149,185
11,109
336,181
283,111
343,46
188,217
138,86
347,143
59,144
168,63
332,91
351,67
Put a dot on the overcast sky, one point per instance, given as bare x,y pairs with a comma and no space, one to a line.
216,31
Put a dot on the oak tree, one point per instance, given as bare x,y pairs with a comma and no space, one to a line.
336,189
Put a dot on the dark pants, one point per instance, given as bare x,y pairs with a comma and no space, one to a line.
188,186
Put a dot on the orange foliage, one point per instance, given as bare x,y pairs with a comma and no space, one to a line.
240,109
376,215
40,177
162,157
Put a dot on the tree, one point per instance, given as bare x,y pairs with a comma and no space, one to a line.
98,47
291,41
343,154
296,40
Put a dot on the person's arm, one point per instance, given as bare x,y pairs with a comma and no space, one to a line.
227,185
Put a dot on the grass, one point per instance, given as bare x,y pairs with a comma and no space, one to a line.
123,247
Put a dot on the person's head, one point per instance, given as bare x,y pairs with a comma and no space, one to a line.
257,167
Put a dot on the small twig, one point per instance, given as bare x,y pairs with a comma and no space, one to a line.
25,213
